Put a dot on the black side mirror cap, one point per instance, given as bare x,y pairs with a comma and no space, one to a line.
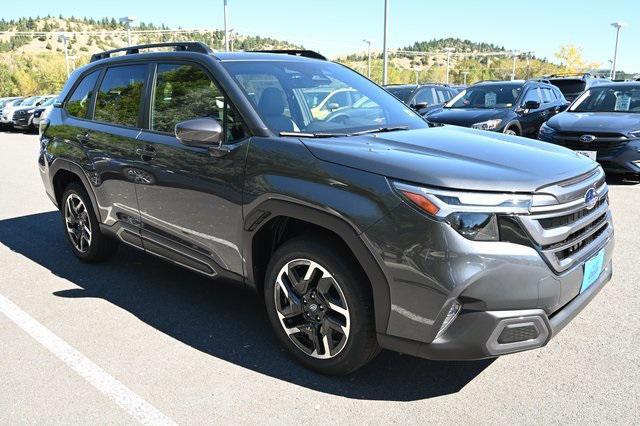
199,132
531,105
419,106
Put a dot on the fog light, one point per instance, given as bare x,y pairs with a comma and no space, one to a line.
454,310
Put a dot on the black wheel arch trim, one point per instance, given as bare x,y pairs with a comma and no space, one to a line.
513,123
349,234
69,166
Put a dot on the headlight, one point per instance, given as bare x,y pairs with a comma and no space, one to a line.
475,226
546,129
487,125
472,214
30,111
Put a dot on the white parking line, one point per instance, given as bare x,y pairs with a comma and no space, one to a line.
140,409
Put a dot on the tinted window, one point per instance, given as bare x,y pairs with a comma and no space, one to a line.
184,92
78,103
532,94
547,95
424,96
120,93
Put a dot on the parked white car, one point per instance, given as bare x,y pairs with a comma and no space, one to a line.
43,111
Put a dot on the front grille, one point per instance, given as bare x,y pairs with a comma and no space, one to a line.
558,221
605,142
567,233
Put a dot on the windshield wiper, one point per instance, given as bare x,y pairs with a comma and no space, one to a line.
379,130
312,135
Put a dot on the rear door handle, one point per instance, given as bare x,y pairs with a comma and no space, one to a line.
147,153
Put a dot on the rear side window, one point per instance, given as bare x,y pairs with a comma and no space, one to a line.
78,103
118,100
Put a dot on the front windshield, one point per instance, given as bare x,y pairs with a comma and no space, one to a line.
487,96
609,99
48,102
319,98
30,101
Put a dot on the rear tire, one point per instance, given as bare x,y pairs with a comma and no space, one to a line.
81,226
320,305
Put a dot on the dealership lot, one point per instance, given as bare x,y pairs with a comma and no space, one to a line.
136,338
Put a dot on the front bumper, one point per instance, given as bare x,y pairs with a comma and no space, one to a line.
477,334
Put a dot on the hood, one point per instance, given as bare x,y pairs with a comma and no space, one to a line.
614,122
465,117
455,158
24,108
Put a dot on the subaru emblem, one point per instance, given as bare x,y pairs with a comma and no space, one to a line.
587,138
591,198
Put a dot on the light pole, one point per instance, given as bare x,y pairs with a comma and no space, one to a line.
464,76
385,56
128,20
448,50
513,67
63,38
226,33
617,26
369,60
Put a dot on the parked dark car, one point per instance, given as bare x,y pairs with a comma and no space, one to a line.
572,85
511,107
424,98
603,124
359,234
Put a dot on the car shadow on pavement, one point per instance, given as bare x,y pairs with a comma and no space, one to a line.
219,318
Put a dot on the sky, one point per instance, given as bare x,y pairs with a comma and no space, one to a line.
335,27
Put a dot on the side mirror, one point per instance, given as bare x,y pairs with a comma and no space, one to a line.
531,105
333,106
199,132
419,106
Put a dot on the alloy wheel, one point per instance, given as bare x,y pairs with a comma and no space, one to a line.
77,222
312,308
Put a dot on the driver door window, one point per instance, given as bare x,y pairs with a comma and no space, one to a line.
425,96
532,95
184,92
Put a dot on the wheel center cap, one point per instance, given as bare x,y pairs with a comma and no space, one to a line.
313,307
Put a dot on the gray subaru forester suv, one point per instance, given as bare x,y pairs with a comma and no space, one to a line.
362,227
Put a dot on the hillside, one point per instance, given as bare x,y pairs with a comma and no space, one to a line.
35,63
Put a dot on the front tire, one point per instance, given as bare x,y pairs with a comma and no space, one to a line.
82,228
320,305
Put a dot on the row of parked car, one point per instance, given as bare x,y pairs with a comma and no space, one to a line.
594,116
25,113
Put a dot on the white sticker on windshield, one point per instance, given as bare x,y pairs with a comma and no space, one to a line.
490,99
623,102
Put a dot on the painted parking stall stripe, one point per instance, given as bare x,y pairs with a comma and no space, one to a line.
140,409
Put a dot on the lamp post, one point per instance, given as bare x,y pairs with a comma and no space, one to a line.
385,56
448,50
128,20
617,26
513,66
226,33
464,76
369,56
63,38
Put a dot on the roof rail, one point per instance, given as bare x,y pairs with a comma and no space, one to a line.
179,46
539,80
295,52
569,74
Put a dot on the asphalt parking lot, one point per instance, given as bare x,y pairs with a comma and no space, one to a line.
139,339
